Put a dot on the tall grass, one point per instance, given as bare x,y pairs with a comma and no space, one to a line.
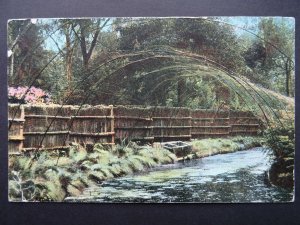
207,147
53,178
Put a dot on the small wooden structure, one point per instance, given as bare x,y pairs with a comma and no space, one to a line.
179,148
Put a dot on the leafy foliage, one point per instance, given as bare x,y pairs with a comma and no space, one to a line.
31,95
281,140
271,57
52,178
132,60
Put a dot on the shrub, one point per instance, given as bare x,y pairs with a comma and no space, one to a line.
54,178
281,140
27,95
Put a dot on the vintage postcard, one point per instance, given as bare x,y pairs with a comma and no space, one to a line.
151,110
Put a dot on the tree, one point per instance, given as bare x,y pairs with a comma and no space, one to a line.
151,61
204,37
271,55
67,30
87,33
27,53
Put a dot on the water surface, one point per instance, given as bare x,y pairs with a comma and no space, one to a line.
233,177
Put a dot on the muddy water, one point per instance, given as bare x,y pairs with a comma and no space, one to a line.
233,177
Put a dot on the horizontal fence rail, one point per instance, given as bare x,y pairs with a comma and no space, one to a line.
133,124
171,124
51,127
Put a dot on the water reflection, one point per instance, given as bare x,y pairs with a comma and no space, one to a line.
234,177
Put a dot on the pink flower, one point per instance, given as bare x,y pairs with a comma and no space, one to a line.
32,95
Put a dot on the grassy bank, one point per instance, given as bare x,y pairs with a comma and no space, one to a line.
208,147
282,141
52,177
55,176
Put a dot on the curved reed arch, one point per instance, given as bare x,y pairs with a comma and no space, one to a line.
242,83
195,74
268,97
91,90
233,75
196,62
232,85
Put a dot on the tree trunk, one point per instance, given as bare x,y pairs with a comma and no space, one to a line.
84,36
180,92
11,72
69,58
86,54
288,77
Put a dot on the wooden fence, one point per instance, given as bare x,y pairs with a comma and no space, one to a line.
15,128
171,123
133,124
209,123
55,127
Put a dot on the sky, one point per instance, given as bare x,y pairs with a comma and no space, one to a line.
251,23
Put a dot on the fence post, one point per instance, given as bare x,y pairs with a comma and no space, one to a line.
112,123
190,123
69,125
22,127
15,133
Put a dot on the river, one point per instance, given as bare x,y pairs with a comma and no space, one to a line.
233,177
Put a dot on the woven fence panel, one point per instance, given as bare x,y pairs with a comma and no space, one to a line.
170,123
15,128
55,126
244,124
210,124
93,124
133,124
47,126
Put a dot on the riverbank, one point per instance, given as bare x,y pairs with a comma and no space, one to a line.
49,176
54,176
282,141
237,177
209,147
